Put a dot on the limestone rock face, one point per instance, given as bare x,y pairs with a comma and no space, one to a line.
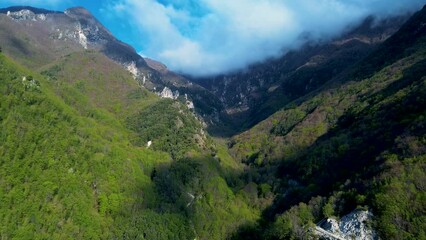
168,93
355,225
26,14
132,68
331,225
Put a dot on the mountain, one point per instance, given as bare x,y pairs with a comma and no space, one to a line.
35,37
97,142
251,95
86,152
358,143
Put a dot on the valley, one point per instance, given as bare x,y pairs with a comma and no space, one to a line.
98,142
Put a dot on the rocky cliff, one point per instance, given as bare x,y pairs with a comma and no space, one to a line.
355,225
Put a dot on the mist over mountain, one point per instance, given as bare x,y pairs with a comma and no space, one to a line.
252,94
326,141
211,37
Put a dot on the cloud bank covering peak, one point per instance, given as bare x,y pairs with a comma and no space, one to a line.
208,37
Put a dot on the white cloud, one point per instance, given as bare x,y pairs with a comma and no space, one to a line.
232,34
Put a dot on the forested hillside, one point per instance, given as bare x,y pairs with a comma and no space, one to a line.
357,143
71,167
89,150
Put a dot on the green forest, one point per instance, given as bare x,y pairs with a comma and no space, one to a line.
74,170
87,153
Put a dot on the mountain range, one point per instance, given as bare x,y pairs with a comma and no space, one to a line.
97,142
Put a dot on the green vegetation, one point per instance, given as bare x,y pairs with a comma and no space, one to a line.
71,169
55,163
75,162
359,145
103,83
170,126
353,144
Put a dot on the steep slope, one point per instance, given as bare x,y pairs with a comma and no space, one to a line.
37,37
57,177
170,125
73,165
87,152
107,84
60,33
358,142
251,95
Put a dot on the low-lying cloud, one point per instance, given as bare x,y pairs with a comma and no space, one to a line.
207,37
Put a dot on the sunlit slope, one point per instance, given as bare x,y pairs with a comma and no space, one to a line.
72,166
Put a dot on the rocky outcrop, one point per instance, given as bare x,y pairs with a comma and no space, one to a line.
168,93
132,68
26,14
188,102
355,225
82,39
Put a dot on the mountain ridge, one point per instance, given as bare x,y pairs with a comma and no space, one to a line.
261,89
88,149
351,145
75,165
216,99
86,32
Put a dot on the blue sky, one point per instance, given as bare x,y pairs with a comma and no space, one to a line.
205,37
